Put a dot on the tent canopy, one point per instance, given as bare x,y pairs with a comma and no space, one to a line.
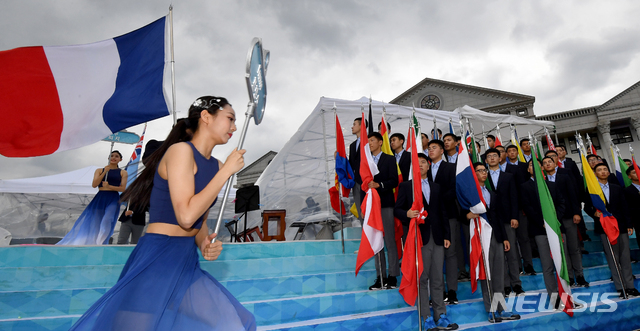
299,177
74,182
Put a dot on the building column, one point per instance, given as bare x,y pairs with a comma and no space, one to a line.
604,127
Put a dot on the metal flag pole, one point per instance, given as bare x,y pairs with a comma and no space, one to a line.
417,273
335,115
435,134
613,257
413,194
257,61
173,69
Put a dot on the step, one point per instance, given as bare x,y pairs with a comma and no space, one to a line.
89,276
471,315
51,255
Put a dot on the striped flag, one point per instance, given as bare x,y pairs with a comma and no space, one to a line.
416,128
470,198
621,168
344,173
607,220
134,161
83,92
516,142
498,139
372,240
554,235
409,282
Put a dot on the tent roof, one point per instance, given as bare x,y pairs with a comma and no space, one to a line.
299,177
76,182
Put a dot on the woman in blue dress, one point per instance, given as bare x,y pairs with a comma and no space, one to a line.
162,286
95,224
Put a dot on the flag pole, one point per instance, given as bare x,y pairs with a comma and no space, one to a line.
417,270
335,115
613,257
484,264
413,194
173,70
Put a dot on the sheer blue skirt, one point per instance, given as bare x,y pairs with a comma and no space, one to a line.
95,224
162,287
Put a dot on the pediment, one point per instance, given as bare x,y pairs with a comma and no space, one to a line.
453,95
629,98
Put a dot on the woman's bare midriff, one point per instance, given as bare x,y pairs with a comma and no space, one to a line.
171,230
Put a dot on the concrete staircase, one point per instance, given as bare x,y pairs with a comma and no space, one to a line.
303,285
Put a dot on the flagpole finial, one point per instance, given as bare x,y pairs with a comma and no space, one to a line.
369,98
334,107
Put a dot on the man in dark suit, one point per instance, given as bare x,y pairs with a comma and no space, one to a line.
450,141
354,161
569,219
632,194
499,243
521,175
568,163
530,199
384,182
506,202
436,237
403,158
616,204
444,174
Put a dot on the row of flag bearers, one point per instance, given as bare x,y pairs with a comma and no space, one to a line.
503,205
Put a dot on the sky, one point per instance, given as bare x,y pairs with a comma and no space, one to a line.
568,54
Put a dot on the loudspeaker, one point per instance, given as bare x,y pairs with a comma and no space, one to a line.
247,199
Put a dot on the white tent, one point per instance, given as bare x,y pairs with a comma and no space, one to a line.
48,206
299,177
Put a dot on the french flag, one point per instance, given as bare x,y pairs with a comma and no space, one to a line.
57,98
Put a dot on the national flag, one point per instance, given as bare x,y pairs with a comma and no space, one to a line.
134,161
344,173
554,236
57,98
416,127
470,198
413,246
607,220
474,149
551,146
434,131
635,166
516,142
498,139
372,240
620,168
386,148
539,151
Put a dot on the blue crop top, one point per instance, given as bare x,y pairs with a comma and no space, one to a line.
114,177
161,208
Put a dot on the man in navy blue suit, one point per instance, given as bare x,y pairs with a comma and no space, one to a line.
384,182
444,174
506,202
436,236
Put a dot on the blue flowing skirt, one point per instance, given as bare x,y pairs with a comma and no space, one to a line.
95,224
162,287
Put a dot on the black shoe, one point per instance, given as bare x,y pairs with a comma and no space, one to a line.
572,283
376,286
584,252
518,289
507,291
494,318
445,298
632,293
452,297
528,271
581,282
463,276
391,282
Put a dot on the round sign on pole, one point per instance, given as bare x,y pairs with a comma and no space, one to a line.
257,62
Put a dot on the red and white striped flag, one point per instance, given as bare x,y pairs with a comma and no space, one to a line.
372,240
